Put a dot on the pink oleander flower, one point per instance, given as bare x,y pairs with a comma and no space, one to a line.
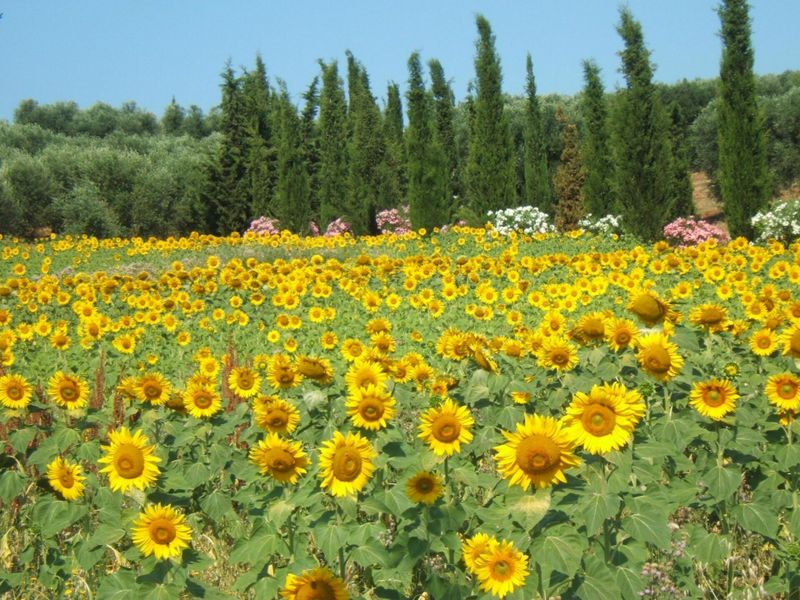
264,226
338,227
689,232
393,220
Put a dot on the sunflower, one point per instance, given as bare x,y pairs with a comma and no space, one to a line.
363,373
425,487
502,568
161,530
352,349
370,407
345,463
712,317
15,391
244,382
764,342
591,327
650,307
275,414
659,357
130,460
282,374
318,369
791,340
201,401
69,391
66,478
281,459
446,427
317,584
783,390
557,353
603,419
153,388
473,548
621,334
714,399
537,453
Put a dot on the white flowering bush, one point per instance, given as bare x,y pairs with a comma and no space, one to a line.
522,219
602,226
781,222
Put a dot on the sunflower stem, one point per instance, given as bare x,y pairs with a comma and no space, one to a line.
667,402
540,577
342,563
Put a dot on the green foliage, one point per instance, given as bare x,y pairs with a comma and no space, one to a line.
172,120
261,153
333,167
537,178
443,130
595,150
680,204
569,179
397,178
292,200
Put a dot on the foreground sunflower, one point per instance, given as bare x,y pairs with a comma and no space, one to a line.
425,487
201,401
446,427
502,569
764,342
714,399
473,548
345,464
313,367
363,373
281,459
153,388
15,391
130,460
370,407
537,453
557,353
275,414
244,382
161,530
659,357
603,419
66,478
783,390
317,584
621,334
650,307
69,391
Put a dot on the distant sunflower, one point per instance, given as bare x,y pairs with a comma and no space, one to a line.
659,357
425,487
282,373
709,316
590,328
66,478
281,459
153,388
502,569
15,391
161,530
621,334
714,399
474,548
130,460
537,453
244,382
783,390
557,353
446,427
345,464
650,307
317,584
363,373
201,401
764,342
318,369
69,391
275,414
370,407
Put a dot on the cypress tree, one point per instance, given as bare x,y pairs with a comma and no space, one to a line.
490,173
681,201
291,204
395,146
172,121
444,130
569,178
261,154
309,141
333,159
537,178
641,143
743,171
597,192
194,123
427,168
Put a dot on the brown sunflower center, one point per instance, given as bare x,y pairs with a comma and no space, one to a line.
203,400
446,428
66,479
711,316
280,460
657,359
623,338
285,377
559,356
346,464
593,328
787,390
599,420
501,569
152,390
537,454
424,485
715,397
129,461
794,343
162,531
316,590
14,392
277,418
68,391
764,342
311,369
245,381
371,409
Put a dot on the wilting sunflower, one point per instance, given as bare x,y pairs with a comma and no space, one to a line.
790,339
603,419
714,399
425,487
650,307
502,568
317,584
244,382
69,391
153,388
621,334
712,317
318,369
363,373
281,459
659,357
783,390
590,328
161,530
446,427
66,478
345,463
370,407
557,353
15,391
475,547
201,401
275,414
130,460
537,453
764,342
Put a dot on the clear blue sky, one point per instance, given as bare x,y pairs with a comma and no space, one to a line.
150,50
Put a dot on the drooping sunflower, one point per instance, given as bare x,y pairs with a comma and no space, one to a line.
244,382
313,367
130,460
362,373
502,569
590,328
621,334
603,419
317,584
537,453
281,459
475,547
153,388
714,399
370,407
650,307
764,342
659,357
69,391
790,339
202,401
345,464
783,390
557,353
425,487
15,391
446,427
275,414
161,529
66,478
710,316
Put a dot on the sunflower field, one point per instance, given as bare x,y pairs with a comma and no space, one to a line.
445,416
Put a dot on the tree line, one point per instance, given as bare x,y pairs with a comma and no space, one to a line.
342,153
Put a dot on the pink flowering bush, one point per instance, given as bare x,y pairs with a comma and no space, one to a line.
338,227
690,232
264,226
393,220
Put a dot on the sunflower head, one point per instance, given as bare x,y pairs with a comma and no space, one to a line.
317,584
714,399
130,460
649,307
502,568
425,487
161,530
370,407
557,353
66,478
244,382
283,460
346,464
201,401
275,414
659,357
446,428
15,391
153,388
783,390
69,391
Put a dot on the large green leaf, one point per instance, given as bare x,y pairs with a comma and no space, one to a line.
722,482
370,554
559,549
756,517
598,582
53,516
216,505
597,507
11,485
119,586
649,527
329,539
